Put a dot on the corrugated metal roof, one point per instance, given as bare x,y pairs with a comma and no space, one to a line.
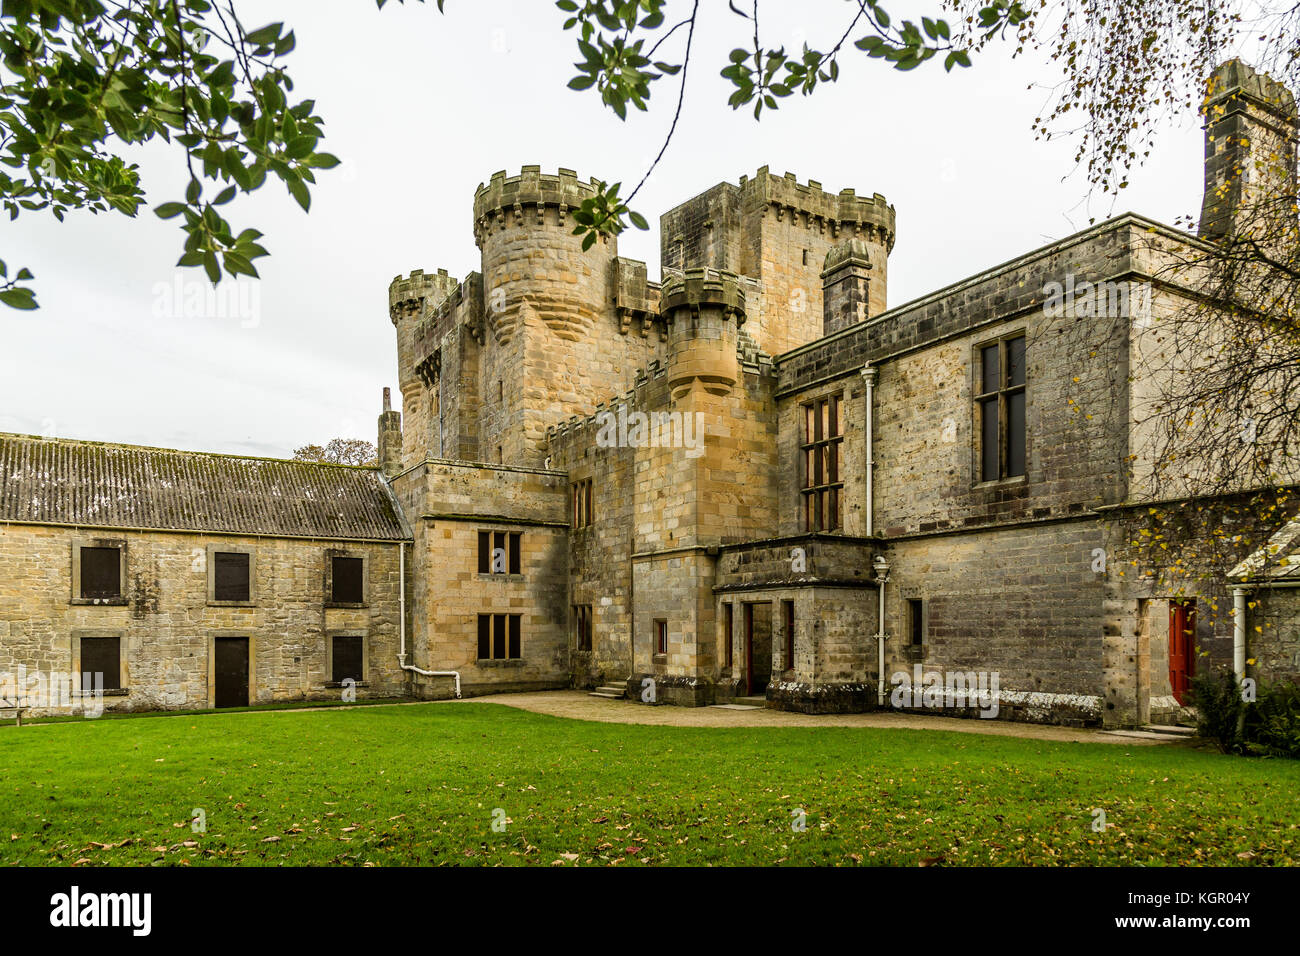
95,484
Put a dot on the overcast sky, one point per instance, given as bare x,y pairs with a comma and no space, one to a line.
421,108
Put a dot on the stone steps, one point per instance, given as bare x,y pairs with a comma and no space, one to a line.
1172,730
610,690
756,700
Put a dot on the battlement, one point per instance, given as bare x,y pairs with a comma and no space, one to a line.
700,287
845,210
412,294
505,198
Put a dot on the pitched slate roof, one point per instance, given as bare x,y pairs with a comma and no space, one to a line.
1279,559
100,485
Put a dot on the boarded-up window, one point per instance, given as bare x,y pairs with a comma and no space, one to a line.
101,655
348,578
101,573
347,658
230,576
499,637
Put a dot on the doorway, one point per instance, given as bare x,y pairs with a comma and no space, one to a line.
230,672
1182,649
758,647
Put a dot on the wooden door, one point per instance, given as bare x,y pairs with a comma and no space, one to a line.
230,672
1182,648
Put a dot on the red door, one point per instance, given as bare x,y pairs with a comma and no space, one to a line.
1182,648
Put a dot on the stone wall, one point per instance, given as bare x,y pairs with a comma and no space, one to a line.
166,621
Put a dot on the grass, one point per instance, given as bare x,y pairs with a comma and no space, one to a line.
420,784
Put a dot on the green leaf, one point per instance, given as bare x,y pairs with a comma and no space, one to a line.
24,299
170,210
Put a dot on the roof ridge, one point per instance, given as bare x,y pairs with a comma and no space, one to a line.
4,436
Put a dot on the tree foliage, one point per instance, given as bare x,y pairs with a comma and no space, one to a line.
339,451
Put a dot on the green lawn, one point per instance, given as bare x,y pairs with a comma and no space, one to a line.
419,785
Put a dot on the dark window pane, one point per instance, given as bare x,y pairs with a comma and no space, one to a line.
348,579
514,553
498,636
499,552
347,658
230,576
833,519
989,440
807,424
988,369
101,655
101,573
834,428
1016,362
484,636
833,462
729,617
484,552
514,637
917,623
1016,434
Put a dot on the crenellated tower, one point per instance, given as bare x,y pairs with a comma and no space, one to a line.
410,301
556,335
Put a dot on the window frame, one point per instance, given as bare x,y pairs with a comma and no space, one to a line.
212,551
582,503
123,668
330,555
364,635
918,613
90,542
813,496
1001,395
661,637
513,542
584,631
511,629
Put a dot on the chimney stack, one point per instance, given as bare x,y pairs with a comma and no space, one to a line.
1250,157
390,438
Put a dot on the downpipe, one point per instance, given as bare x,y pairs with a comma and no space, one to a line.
401,657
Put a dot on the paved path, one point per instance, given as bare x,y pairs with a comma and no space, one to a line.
578,705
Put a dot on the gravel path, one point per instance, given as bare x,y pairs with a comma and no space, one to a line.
578,705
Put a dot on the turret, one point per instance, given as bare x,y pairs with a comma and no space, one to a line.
703,309
547,303
390,438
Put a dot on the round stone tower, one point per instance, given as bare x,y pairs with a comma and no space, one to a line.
544,300
704,309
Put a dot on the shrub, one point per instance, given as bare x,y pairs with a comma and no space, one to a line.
1218,708
1273,723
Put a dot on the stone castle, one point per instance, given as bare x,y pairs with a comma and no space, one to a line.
751,481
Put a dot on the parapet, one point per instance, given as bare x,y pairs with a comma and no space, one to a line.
703,287
418,291
509,198
844,211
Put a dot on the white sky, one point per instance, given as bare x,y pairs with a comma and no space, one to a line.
422,108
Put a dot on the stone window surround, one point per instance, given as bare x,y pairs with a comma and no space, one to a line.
213,549
814,400
973,381
361,632
913,652
493,529
210,642
80,542
330,555
78,634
